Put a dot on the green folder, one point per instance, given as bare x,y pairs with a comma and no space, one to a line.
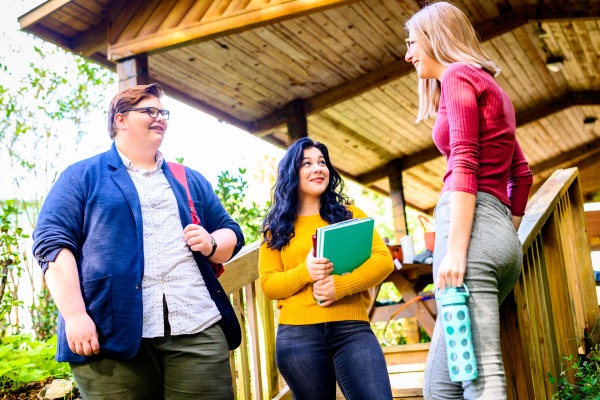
346,244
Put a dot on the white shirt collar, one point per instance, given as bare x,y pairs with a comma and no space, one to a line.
129,165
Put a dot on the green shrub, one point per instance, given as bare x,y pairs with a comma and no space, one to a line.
587,378
24,359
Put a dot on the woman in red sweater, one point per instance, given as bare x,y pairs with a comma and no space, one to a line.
485,191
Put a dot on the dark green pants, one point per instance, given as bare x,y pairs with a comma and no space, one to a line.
174,367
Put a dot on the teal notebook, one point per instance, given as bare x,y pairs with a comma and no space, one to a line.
346,244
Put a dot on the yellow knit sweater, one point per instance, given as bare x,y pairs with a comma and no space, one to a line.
284,277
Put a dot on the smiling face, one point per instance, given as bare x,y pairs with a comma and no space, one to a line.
313,174
137,128
426,66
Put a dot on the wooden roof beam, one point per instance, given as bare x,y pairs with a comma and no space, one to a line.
202,106
550,12
430,153
90,42
218,27
379,77
405,163
85,44
584,98
582,160
40,12
511,19
50,36
586,150
337,94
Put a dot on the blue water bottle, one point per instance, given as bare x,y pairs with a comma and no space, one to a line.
457,331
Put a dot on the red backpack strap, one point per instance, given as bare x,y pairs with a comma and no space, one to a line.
178,171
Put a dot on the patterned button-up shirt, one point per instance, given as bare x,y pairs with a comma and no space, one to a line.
169,268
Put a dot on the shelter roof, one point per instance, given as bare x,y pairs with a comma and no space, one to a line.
260,65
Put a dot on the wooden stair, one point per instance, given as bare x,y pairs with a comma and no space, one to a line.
406,368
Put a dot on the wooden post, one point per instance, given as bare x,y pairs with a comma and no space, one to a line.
592,221
133,71
411,328
398,202
297,123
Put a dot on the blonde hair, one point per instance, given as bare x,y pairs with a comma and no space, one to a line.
446,35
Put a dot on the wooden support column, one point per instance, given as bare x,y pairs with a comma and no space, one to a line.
133,71
297,123
410,325
398,202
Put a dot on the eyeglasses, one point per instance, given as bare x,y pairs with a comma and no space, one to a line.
152,111
411,42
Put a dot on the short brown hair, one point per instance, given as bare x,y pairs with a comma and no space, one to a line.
127,98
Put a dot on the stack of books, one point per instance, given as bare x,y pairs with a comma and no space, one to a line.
346,244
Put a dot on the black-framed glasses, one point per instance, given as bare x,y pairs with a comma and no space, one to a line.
152,111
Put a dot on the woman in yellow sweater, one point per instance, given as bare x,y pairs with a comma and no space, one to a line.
320,342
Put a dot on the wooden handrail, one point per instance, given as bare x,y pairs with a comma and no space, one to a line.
253,364
242,269
542,204
553,308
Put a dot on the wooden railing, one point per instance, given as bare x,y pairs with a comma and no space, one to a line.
253,363
553,309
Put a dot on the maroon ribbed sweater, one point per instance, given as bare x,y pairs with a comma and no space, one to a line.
475,131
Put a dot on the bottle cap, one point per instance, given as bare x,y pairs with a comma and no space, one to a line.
453,295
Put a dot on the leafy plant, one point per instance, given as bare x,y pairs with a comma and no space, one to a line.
231,191
24,359
10,263
587,378
43,312
43,118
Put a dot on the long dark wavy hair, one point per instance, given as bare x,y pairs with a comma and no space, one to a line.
278,226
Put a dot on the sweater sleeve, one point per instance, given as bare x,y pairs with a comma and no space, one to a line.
519,182
460,98
371,272
276,282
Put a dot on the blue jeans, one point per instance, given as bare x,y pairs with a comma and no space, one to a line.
312,357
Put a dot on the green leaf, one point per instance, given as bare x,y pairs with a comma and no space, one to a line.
4,349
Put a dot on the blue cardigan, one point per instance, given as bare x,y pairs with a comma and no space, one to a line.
94,210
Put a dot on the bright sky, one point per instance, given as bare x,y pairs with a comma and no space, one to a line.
205,144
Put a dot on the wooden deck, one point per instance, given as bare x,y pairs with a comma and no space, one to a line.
406,366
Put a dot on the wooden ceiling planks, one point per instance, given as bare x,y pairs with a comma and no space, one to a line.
56,23
78,17
345,59
314,36
256,95
183,77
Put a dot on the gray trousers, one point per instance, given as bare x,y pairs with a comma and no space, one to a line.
494,262
181,367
